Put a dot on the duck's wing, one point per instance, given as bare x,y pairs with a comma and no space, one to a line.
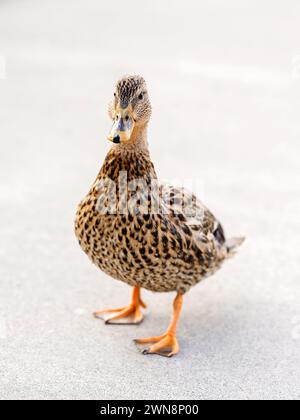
189,213
191,216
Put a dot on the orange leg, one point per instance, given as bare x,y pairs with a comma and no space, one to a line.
166,344
130,314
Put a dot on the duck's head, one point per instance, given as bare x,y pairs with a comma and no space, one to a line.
130,109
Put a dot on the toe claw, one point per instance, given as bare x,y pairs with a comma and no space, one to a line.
95,315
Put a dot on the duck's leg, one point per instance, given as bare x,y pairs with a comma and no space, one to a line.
166,344
130,314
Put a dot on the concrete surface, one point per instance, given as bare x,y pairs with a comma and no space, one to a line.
225,81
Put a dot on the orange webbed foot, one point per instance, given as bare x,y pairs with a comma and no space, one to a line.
126,315
165,345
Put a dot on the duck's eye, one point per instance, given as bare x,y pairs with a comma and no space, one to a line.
115,94
141,96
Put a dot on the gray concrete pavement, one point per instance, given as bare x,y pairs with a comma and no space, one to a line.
225,82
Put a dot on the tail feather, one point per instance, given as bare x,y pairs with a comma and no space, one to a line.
234,243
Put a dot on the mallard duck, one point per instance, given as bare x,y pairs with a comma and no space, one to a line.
138,231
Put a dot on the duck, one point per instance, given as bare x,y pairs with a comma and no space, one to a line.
148,235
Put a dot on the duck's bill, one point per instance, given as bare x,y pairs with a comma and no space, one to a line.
121,130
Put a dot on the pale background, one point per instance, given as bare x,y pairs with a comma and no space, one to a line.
224,78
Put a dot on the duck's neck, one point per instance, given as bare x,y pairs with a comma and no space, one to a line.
132,157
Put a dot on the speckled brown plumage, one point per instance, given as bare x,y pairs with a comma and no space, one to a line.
171,250
159,252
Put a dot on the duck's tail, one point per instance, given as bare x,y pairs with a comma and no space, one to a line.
232,245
